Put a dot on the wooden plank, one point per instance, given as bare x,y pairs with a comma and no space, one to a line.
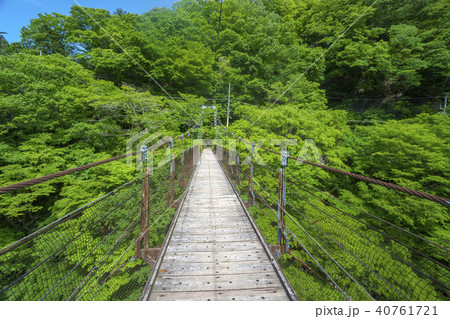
215,256
213,238
209,220
209,212
233,246
197,269
220,230
214,252
255,294
216,282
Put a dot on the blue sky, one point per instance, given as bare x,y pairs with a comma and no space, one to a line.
14,14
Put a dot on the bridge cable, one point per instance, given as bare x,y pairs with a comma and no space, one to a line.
65,218
430,197
293,180
93,249
139,205
120,257
318,264
362,236
38,180
65,245
298,225
388,185
267,205
379,231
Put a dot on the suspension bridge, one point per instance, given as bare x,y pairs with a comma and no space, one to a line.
214,223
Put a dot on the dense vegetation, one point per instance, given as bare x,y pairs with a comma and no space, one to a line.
70,95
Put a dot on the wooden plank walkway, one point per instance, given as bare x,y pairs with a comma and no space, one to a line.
213,252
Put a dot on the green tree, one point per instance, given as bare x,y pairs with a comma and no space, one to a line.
47,34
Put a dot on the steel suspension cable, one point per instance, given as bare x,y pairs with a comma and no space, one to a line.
434,198
38,180
65,218
369,240
379,231
294,180
139,205
351,254
118,260
339,265
65,245
92,250
382,183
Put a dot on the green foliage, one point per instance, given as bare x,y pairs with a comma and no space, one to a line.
47,34
98,84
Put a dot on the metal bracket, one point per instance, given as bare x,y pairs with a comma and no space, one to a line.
253,147
144,153
284,158
182,137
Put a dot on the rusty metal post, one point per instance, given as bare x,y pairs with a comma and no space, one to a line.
251,196
282,237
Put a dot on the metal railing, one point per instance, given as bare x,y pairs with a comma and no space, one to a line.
327,248
104,250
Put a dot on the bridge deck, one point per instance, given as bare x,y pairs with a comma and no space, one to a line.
213,252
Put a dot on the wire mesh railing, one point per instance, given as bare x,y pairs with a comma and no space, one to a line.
97,252
334,250
327,248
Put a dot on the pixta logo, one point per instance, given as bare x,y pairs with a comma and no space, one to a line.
308,152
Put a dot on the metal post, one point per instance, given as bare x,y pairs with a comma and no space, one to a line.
282,238
251,196
228,108
145,207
